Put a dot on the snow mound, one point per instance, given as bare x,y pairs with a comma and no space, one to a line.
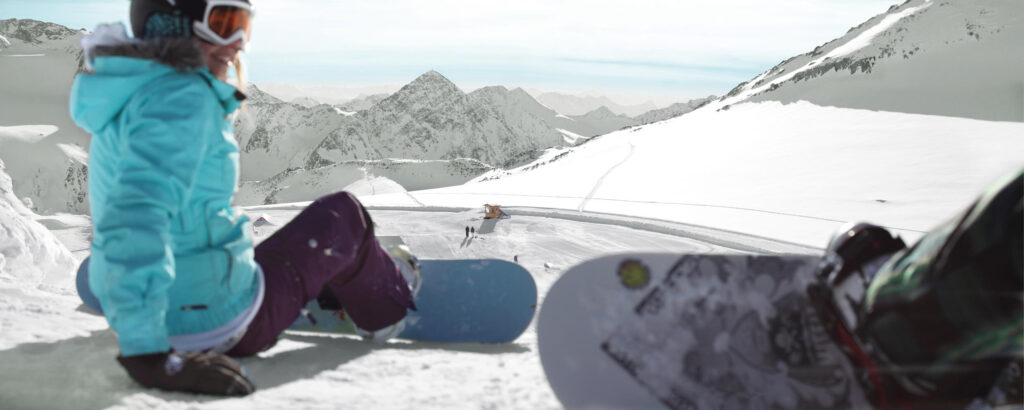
29,253
4,43
75,152
27,133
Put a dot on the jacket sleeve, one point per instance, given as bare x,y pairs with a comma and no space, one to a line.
162,144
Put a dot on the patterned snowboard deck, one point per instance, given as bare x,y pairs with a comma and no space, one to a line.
691,332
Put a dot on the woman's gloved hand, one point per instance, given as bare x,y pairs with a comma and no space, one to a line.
195,372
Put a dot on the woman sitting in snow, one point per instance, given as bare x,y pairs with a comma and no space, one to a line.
173,265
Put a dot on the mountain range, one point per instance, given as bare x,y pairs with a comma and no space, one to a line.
407,135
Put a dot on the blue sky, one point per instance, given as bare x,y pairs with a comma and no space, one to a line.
676,48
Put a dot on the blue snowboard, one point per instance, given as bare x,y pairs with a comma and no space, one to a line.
461,300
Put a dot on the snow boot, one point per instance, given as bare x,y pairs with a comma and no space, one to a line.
939,324
409,265
854,256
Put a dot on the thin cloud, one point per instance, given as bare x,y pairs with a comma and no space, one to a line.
656,46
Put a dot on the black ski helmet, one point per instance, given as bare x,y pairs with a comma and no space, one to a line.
166,18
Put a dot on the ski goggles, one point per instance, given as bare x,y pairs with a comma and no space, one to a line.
225,22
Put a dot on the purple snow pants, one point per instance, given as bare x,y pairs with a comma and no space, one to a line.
330,243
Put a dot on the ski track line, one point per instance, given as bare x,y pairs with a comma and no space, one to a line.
413,198
739,241
600,181
632,201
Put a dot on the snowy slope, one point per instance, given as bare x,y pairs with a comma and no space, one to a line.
944,57
793,172
36,71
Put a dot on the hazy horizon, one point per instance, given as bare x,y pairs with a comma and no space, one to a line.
656,50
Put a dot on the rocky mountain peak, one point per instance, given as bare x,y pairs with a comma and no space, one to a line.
254,94
433,80
430,91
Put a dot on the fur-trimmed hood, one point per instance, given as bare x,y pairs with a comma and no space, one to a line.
181,54
117,67
111,40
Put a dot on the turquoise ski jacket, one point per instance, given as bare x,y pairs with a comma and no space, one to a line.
170,256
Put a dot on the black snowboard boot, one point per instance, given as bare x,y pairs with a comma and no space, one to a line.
939,324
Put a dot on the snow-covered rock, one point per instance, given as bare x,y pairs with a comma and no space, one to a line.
30,254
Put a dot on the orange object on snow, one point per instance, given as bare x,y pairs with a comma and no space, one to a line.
493,211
